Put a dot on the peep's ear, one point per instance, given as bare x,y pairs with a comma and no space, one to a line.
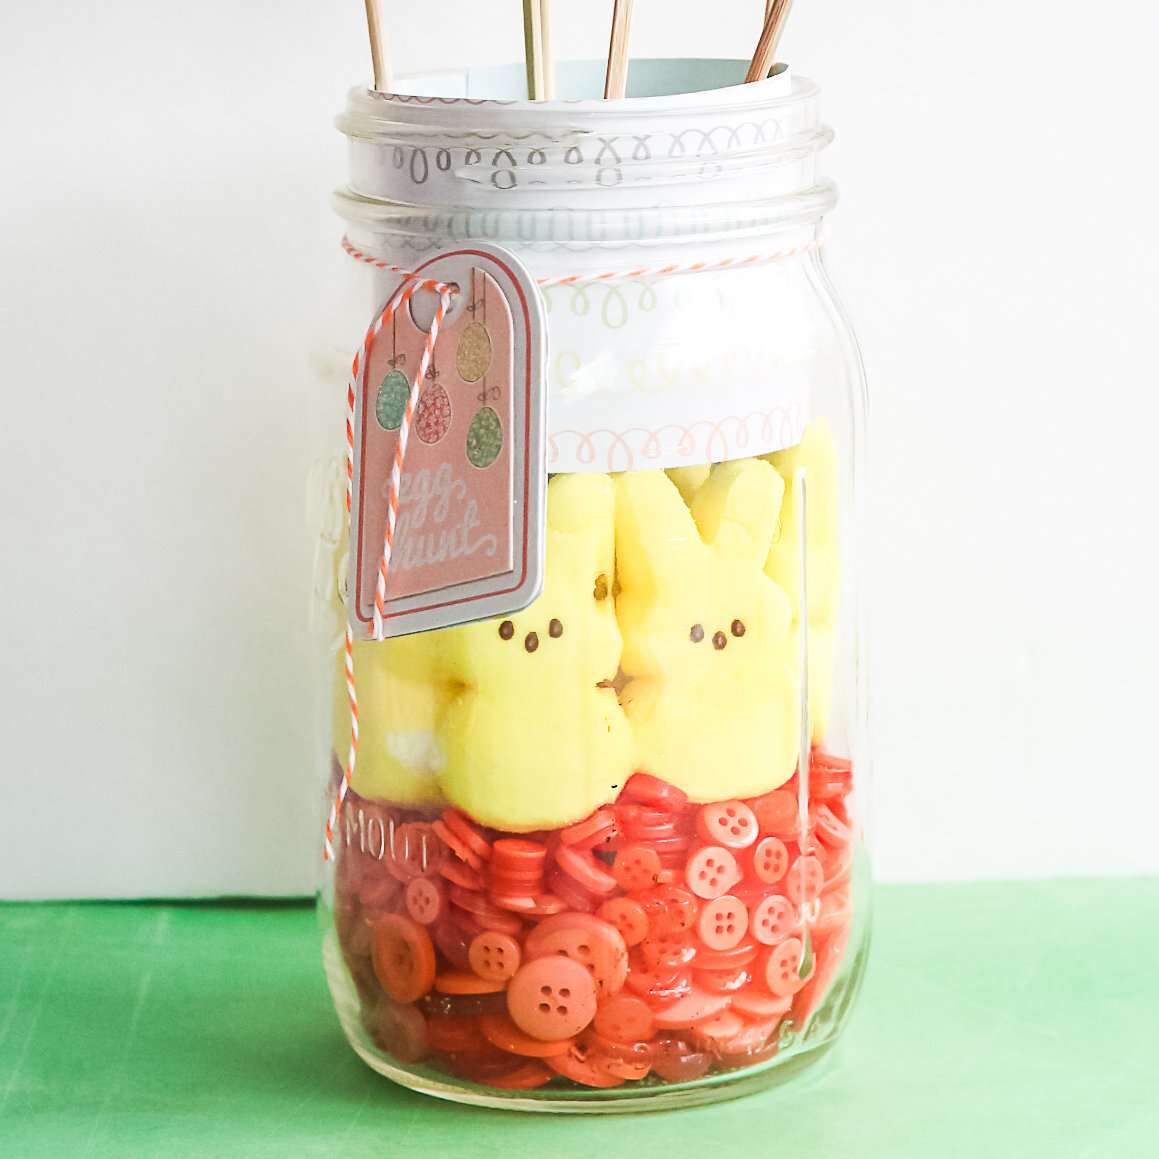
736,510
581,514
689,480
656,538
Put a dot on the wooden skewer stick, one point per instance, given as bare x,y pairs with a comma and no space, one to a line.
617,79
546,55
764,58
380,58
532,48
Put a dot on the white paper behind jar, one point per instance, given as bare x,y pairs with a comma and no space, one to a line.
956,251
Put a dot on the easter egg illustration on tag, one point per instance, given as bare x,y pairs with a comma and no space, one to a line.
390,402
473,356
484,438
433,417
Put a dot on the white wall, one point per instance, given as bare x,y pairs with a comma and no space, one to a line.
165,246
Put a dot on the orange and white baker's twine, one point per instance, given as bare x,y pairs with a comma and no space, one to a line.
637,272
410,286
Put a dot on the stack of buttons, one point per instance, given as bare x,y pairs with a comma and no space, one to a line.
655,940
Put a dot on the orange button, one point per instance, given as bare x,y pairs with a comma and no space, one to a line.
526,1078
659,988
483,1066
400,1030
830,827
805,879
836,911
591,831
503,1033
532,948
723,981
669,909
455,1035
624,1018
623,1060
777,813
532,906
723,923
711,871
729,823
582,1070
770,860
516,855
694,1007
468,832
650,790
829,775
552,998
460,873
780,968
628,916
452,841
490,916
754,1003
668,951
585,869
751,1039
733,959
718,1028
424,900
636,867
404,958
494,955
596,945
465,982
773,920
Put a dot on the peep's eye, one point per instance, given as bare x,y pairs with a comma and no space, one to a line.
697,633
738,628
719,641
506,630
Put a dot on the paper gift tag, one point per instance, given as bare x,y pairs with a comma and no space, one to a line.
469,536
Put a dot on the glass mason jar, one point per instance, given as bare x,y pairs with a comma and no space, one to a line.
607,851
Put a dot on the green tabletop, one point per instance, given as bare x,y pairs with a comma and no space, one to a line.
996,1020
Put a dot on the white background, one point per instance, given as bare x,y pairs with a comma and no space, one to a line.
165,251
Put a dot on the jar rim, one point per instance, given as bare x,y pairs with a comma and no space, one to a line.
369,113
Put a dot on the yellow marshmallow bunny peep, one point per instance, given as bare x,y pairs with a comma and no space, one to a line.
534,736
400,700
712,696
401,694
